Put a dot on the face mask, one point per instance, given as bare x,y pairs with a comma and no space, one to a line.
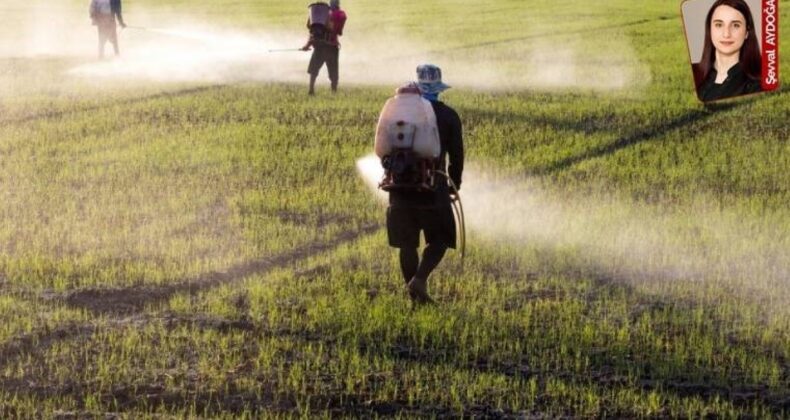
433,97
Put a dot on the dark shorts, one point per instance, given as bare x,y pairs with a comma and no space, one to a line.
108,30
405,223
324,54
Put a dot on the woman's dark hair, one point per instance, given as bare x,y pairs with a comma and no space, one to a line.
749,59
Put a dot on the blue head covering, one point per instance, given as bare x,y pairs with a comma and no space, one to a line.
429,79
334,4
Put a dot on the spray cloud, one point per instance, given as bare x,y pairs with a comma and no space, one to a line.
636,243
178,48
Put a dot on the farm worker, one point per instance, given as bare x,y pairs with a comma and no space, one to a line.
103,14
410,212
324,39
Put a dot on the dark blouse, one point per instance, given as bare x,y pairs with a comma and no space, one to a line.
737,83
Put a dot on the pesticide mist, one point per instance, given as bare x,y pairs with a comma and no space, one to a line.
646,244
179,48
195,53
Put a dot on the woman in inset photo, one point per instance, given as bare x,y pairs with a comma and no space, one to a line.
731,61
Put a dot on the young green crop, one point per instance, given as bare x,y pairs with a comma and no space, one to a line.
193,250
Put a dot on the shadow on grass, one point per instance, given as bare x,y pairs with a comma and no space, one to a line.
325,394
511,40
642,367
601,124
131,300
131,101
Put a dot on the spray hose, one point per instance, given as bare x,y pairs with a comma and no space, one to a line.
458,212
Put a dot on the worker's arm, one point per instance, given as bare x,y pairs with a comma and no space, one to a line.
455,149
92,10
309,44
116,10
120,20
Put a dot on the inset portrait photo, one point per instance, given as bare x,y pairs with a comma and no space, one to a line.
733,46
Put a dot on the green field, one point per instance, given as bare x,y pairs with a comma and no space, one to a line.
205,247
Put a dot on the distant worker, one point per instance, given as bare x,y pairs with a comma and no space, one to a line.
416,134
103,14
326,23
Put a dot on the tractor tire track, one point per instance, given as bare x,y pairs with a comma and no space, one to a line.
23,344
125,306
545,35
131,300
651,133
132,101
697,116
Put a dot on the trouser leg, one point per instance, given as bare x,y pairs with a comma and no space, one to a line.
102,41
332,67
409,260
316,62
312,83
431,257
114,40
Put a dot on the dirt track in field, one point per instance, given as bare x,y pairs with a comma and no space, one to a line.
131,101
125,301
126,305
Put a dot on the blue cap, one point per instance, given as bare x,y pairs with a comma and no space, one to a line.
429,78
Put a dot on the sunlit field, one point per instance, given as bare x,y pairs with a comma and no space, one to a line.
185,233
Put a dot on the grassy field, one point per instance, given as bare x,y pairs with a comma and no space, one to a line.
207,248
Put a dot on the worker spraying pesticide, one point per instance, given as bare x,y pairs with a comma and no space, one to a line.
103,14
326,23
416,133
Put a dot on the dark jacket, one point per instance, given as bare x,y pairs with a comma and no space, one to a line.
452,147
737,83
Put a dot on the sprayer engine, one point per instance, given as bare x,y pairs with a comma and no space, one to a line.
404,170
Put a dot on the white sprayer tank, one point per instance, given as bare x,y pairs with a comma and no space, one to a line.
101,7
318,14
408,122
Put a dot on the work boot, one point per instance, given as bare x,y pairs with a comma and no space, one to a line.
418,291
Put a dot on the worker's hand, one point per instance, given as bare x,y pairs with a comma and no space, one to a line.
123,25
305,48
453,194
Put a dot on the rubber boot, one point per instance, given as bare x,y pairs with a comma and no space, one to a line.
418,291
